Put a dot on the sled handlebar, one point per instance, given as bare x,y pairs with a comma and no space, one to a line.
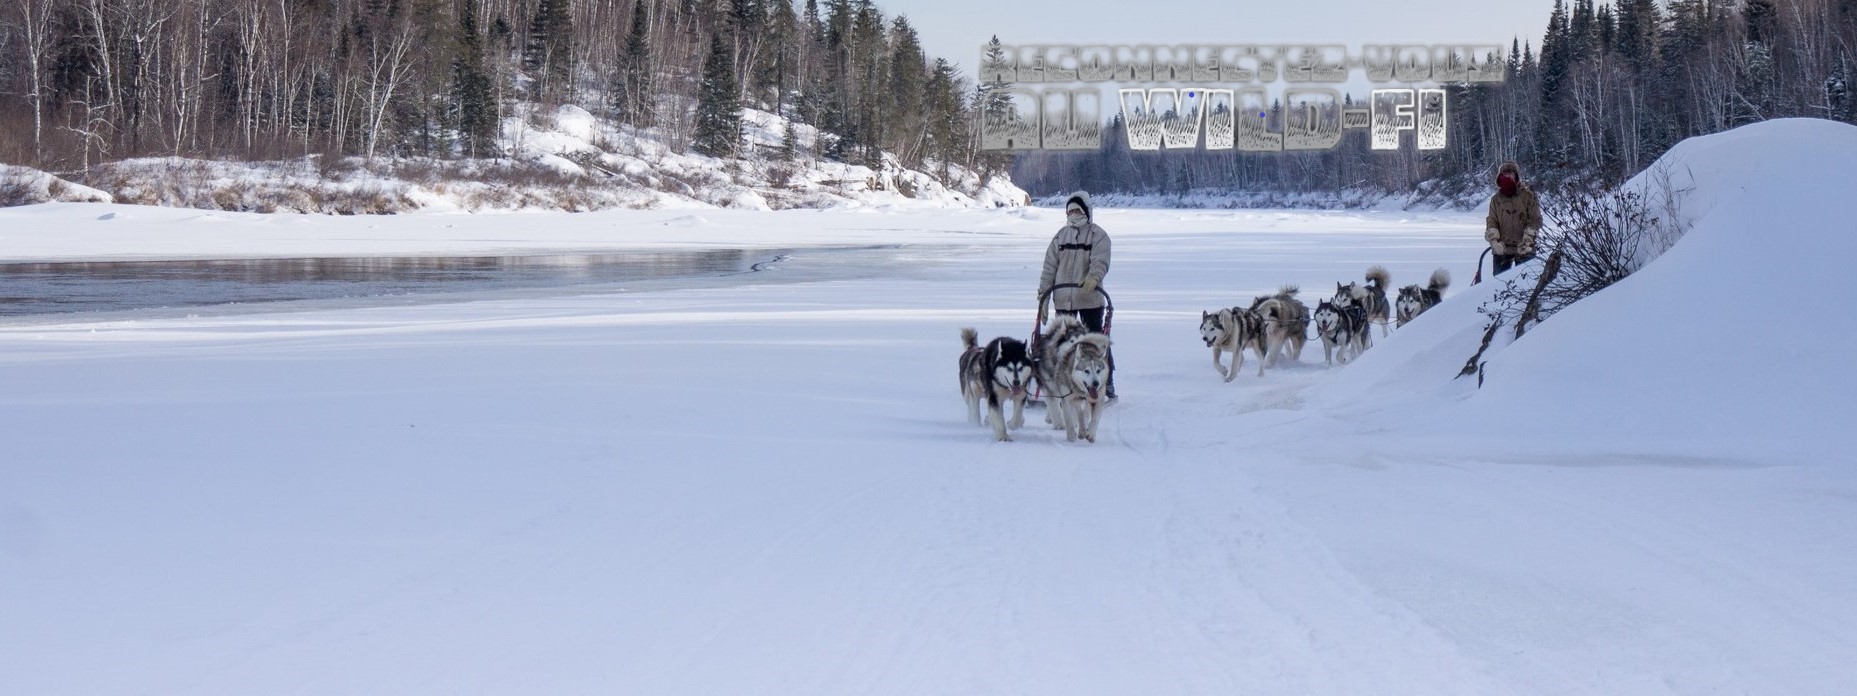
1045,299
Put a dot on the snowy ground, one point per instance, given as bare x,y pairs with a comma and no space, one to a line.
765,484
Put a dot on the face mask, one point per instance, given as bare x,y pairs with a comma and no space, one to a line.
1506,183
1078,218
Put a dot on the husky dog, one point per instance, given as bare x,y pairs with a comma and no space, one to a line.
995,374
1343,330
1414,300
1089,376
1359,329
1295,320
1285,322
1065,372
1371,297
1048,355
1232,330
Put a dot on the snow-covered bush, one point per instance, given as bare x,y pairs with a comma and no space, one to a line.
26,186
554,159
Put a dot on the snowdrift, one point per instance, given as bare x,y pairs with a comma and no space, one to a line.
1733,343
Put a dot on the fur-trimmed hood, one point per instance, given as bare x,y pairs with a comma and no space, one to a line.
1077,253
1082,200
1512,215
1510,167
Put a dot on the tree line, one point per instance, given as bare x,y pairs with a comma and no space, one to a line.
85,81
1607,90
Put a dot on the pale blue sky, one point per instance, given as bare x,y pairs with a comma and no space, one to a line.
955,29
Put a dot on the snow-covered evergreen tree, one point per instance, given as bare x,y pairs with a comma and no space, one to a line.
718,107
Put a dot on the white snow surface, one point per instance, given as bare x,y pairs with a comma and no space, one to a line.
765,483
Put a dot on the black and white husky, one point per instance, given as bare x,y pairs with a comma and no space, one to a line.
1073,369
996,373
1371,298
1232,330
1343,330
1414,300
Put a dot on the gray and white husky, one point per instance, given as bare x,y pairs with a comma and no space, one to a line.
1371,298
999,372
1285,322
1232,330
1343,330
1072,368
1089,380
1414,300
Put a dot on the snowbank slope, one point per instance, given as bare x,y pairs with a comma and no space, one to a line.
1722,346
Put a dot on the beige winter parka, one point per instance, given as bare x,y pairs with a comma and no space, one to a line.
1513,221
1076,254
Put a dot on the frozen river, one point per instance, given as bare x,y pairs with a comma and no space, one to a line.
93,286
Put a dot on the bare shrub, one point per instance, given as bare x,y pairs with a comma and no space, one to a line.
16,188
332,166
575,200
780,176
1602,237
374,200
424,171
230,198
1667,191
674,184
1594,237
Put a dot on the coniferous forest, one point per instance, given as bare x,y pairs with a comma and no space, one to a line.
88,81
1606,89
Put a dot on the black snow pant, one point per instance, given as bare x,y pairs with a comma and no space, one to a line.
1502,262
1093,320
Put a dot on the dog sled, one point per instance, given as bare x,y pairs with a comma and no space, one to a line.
1038,329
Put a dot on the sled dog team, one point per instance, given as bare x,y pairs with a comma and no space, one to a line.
1274,325
1068,362
1069,367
